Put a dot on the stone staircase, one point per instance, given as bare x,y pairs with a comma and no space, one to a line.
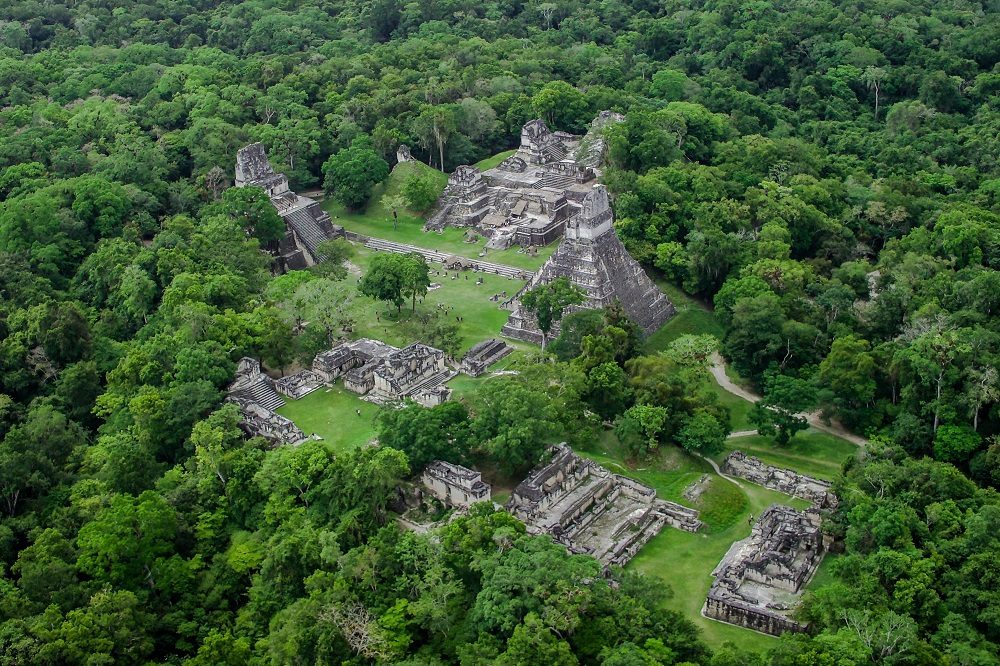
430,382
437,221
554,152
307,228
556,180
263,393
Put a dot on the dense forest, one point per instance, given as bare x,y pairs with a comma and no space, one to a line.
824,174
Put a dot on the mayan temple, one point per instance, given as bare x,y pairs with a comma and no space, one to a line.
594,259
306,223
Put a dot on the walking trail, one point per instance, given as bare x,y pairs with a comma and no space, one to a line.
718,370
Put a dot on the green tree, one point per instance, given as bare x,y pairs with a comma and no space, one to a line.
438,433
955,444
777,414
640,428
385,279
420,192
703,433
562,106
548,301
415,277
252,209
514,423
352,173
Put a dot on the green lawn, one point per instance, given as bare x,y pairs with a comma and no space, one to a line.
331,414
739,409
491,162
376,221
481,317
692,318
685,561
682,560
810,452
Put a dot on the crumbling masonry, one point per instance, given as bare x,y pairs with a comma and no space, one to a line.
759,581
527,199
254,393
307,224
590,510
454,485
782,480
385,374
483,355
593,258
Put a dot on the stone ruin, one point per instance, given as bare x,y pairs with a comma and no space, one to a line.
403,154
254,393
299,384
759,581
785,481
590,510
384,374
307,224
528,198
483,355
594,259
454,485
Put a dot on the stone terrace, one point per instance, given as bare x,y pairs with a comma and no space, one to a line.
782,480
590,510
759,581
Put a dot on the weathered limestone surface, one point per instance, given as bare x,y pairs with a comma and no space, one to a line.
306,222
527,199
255,394
590,510
483,355
455,485
385,374
593,258
760,580
298,385
783,480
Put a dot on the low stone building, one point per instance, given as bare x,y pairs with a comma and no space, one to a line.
759,581
385,374
254,393
299,384
785,481
336,362
307,224
593,258
454,485
257,421
591,510
411,372
483,355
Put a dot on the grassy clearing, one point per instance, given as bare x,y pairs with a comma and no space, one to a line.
332,414
481,317
491,162
739,409
375,221
811,452
692,318
685,561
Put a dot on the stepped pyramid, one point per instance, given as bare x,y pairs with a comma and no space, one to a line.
307,224
594,259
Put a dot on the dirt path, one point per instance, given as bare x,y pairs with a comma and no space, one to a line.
718,370
718,471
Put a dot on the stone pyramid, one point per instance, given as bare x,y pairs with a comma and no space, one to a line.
594,259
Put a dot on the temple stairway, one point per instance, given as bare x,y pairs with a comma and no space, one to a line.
306,228
556,181
263,394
